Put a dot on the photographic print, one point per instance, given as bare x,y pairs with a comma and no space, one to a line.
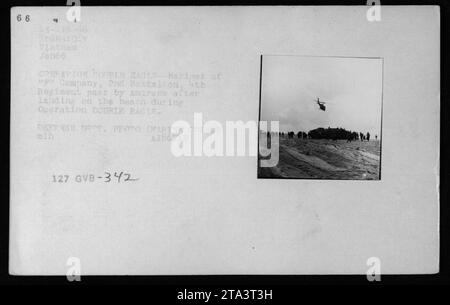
329,111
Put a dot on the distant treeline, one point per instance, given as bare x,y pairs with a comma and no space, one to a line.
330,134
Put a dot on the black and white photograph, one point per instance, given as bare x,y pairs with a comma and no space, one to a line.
329,111
237,145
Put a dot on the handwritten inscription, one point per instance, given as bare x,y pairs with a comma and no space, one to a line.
106,177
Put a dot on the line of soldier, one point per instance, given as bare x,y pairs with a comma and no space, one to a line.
303,135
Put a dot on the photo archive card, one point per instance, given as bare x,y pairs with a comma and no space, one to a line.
224,140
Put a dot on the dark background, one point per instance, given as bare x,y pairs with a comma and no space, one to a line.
283,286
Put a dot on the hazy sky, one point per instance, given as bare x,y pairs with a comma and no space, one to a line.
351,86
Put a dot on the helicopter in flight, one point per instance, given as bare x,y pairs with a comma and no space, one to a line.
321,104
